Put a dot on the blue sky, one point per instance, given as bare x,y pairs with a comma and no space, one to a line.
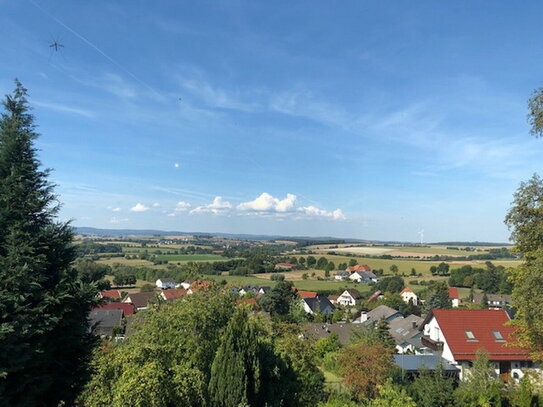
354,119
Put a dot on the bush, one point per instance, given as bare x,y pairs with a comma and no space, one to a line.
277,277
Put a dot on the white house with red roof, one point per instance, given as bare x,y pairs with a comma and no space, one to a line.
173,294
358,267
408,295
454,297
459,333
111,294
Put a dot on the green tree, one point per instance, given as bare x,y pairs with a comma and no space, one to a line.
433,388
439,298
391,396
394,269
277,301
302,261
44,343
236,371
525,220
383,332
535,116
352,262
327,344
322,263
311,261
481,386
442,269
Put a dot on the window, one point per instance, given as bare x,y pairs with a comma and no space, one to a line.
470,336
498,336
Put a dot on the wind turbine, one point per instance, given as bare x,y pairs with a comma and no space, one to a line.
421,234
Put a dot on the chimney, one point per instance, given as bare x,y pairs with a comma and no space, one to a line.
413,324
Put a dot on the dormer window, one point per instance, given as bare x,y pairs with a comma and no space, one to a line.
470,336
498,336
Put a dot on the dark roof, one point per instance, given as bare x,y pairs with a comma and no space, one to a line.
125,307
265,289
482,323
413,363
403,329
318,303
381,312
140,300
321,330
167,280
102,321
503,298
354,293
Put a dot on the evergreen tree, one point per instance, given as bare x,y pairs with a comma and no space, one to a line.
383,331
235,373
439,299
43,305
433,389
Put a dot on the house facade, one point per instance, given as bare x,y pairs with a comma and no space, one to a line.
348,298
408,296
165,283
458,334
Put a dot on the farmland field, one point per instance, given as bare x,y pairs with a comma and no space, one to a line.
401,251
184,258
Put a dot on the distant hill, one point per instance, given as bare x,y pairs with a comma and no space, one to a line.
473,244
82,230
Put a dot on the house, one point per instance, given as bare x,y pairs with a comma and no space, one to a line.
199,285
454,297
185,284
110,294
264,290
333,299
344,331
349,298
248,289
308,294
364,277
319,304
459,333
140,300
285,266
406,334
412,364
173,294
408,296
126,308
358,267
342,275
495,301
381,312
375,296
165,283
103,322
234,290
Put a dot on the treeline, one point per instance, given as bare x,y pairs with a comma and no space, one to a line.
492,279
88,247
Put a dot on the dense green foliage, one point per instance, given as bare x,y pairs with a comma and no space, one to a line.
535,115
43,304
391,284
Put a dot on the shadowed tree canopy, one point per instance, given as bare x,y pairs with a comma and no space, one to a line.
44,341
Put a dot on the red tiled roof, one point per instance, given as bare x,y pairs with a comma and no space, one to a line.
455,322
453,292
115,294
307,294
406,290
359,267
333,297
173,294
125,307
374,296
286,265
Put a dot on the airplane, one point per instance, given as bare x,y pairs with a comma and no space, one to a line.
56,45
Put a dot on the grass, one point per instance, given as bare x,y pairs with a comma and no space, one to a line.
190,257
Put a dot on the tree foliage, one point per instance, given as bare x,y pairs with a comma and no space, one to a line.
44,343
535,115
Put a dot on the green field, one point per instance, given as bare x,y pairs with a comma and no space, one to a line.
190,257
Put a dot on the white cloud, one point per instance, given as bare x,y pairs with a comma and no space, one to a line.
182,206
216,207
267,203
64,108
139,207
156,205
176,165
117,220
313,211
114,208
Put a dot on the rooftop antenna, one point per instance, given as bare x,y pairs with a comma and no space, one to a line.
421,234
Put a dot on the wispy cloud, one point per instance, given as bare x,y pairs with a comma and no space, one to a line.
118,220
64,108
216,97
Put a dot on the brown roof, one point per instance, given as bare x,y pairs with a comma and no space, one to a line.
140,300
321,330
114,294
173,294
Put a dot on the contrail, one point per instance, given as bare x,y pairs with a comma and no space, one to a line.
90,44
